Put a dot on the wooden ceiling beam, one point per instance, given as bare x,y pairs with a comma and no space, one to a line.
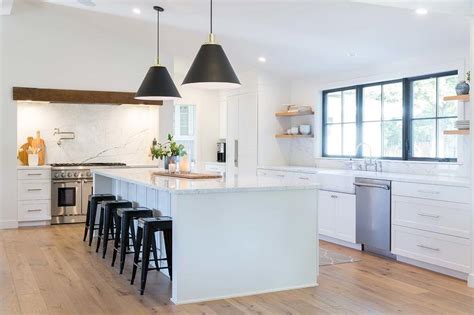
77,96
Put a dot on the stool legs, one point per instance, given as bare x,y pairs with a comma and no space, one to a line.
101,228
136,255
118,222
168,236
86,227
93,214
145,256
108,228
125,237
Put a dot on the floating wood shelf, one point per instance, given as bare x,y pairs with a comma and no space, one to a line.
457,132
293,136
290,114
77,96
462,98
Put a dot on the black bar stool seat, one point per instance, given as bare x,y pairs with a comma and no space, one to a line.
126,228
146,229
92,203
108,208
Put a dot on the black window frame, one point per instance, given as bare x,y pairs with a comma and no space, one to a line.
407,152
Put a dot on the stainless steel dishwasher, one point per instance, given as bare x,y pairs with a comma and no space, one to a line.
373,215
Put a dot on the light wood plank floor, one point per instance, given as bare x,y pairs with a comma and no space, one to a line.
50,270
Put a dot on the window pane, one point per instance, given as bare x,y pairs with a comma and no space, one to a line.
349,106
392,139
333,140
371,134
372,101
447,145
424,98
446,87
393,101
349,139
424,138
183,120
333,108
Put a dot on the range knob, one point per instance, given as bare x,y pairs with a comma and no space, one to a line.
88,174
76,174
63,174
69,174
57,175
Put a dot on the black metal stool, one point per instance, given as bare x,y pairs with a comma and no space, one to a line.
125,222
108,209
147,227
92,203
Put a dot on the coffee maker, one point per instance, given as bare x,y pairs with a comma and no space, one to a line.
221,151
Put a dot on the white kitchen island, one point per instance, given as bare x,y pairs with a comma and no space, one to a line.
231,237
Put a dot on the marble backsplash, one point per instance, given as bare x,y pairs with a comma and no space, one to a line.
103,133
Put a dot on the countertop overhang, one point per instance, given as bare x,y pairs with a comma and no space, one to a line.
144,177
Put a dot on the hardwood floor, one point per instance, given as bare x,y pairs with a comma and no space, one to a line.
50,270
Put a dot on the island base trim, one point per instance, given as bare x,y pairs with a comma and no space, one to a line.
231,296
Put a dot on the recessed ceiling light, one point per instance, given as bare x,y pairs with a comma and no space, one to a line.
262,59
136,11
421,11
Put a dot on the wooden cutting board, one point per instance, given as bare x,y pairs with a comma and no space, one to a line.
187,176
22,152
40,147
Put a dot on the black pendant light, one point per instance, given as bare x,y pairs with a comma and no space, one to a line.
157,84
211,69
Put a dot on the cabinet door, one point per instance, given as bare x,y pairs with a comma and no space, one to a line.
346,217
247,145
232,134
327,213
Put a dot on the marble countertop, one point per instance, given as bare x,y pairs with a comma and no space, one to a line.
142,176
400,177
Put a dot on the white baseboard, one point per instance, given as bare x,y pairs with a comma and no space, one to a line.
222,297
339,242
8,224
445,271
470,280
34,223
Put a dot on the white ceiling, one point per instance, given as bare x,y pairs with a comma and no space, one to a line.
306,37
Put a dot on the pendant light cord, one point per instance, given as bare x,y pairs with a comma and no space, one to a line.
157,37
211,17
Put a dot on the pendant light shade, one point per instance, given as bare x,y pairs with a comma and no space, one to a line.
211,68
157,84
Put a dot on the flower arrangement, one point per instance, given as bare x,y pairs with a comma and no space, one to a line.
468,77
169,149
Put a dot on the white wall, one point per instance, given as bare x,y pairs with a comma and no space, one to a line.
45,45
207,113
103,133
309,92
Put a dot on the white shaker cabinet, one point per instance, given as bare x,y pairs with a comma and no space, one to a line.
34,195
241,140
337,215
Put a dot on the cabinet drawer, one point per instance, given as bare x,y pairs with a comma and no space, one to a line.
34,210
433,248
435,216
34,189
435,192
306,177
34,174
272,173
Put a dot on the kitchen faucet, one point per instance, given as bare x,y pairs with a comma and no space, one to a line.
371,161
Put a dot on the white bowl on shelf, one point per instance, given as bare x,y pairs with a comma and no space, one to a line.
305,129
294,130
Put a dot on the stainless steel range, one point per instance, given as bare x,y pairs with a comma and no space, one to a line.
71,186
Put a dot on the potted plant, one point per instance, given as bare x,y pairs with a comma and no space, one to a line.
168,151
463,87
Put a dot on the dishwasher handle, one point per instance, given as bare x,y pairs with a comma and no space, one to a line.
386,187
